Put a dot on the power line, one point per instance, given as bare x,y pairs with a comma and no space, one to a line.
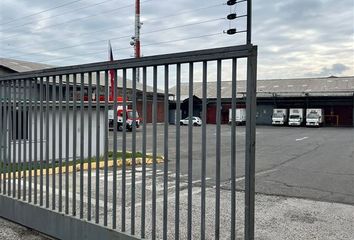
78,19
37,13
145,45
53,16
120,37
149,20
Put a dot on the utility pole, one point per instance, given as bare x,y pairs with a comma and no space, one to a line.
136,38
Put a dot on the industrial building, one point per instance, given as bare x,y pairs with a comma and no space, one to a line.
334,94
9,66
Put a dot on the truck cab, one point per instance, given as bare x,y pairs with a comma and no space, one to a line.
296,116
128,114
314,117
280,116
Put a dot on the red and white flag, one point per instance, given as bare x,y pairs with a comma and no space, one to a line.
111,72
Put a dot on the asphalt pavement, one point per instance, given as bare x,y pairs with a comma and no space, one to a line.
312,163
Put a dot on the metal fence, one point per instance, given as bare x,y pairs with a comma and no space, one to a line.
64,174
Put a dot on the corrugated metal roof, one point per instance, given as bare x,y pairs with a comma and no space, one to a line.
330,86
22,66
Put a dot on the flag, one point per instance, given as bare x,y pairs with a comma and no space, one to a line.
111,72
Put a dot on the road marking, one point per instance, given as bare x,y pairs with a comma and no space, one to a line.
300,139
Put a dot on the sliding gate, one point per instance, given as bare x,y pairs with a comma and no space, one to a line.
64,174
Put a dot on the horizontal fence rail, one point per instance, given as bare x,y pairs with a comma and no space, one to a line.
77,162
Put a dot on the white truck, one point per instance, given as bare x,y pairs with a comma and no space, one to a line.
314,117
240,116
129,116
280,116
296,116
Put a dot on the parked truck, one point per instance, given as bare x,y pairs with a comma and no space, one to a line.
129,117
314,117
280,116
296,116
240,116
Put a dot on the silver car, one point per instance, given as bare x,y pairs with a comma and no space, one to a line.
195,120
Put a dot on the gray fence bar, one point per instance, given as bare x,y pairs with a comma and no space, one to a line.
105,175
133,169
178,147
47,143
41,140
154,152
25,140
143,173
124,150
60,145
14,138
190,151
250,144
89,147
115,149
165,175
218,152
204,135
97,195
74,134
233,149
82,144
67,90
53,143
19,141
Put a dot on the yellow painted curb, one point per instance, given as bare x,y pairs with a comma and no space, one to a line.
64,169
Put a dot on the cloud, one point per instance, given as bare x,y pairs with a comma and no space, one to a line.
294,38
335,69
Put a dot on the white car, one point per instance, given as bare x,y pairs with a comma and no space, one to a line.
195,120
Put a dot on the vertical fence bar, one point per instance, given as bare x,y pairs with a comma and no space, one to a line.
25,141
97,194
233,150
165,176
41,139
19,137
218,152
132,210
54,115
250,144
30,139
190,150
35,142
10,121
204,114
124,150
143,183
154,150
60,144
82,136
47,143
67,131
178,148
115,149
2,134
105,186
89,146
14,138
74,144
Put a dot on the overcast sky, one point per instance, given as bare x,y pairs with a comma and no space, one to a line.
296,38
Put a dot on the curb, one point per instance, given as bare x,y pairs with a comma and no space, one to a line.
77,167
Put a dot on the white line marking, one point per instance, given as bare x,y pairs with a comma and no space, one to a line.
300,139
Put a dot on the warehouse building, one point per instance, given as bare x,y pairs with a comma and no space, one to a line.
8,66
334,94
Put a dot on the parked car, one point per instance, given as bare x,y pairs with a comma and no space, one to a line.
196,121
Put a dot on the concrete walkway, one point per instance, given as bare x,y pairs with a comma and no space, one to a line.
276,218
12,231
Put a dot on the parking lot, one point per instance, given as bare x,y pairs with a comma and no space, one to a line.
313,163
